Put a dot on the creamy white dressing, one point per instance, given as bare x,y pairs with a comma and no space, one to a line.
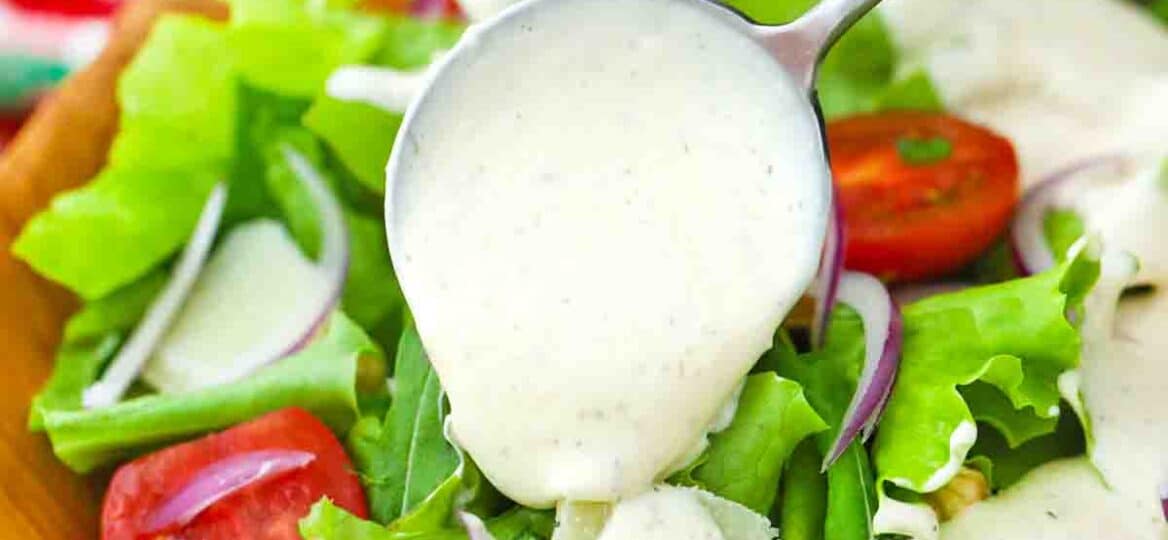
1068,80
662,514
597,242
1063,79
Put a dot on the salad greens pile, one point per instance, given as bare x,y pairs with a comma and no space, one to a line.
986,359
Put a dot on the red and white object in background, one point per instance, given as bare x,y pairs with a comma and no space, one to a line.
69,31
74,8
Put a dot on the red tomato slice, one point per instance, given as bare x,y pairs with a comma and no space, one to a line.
268,510
923,193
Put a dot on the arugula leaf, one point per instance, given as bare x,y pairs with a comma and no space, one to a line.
406,458
830,376
321,378
744,462
326,521
262,123
1014,336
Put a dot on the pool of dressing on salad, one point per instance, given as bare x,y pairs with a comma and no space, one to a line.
1068,80
599,240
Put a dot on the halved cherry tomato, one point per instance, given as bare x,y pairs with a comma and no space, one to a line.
923,193
267,510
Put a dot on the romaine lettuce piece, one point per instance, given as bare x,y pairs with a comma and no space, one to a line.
745,461
322,378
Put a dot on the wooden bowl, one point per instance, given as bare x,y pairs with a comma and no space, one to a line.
62,146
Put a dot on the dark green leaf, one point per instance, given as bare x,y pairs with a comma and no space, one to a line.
407,457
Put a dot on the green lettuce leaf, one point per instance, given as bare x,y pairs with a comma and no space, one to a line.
92,336
322,378
745,461
802,507
1062,229
404,459
173,144
326,521
118,312
360,135
830,376
291,47
177,108
1015,336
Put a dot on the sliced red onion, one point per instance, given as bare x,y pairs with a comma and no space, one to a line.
831,264
133,355
334,246
1027,237
475,528
883,329
220,480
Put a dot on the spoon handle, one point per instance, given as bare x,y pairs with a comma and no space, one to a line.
802,43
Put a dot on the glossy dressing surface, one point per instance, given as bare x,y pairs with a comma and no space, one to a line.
597,242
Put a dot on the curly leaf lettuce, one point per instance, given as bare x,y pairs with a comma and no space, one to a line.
322,378
1015,336
745,461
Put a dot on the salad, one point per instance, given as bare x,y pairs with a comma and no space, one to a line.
254,356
